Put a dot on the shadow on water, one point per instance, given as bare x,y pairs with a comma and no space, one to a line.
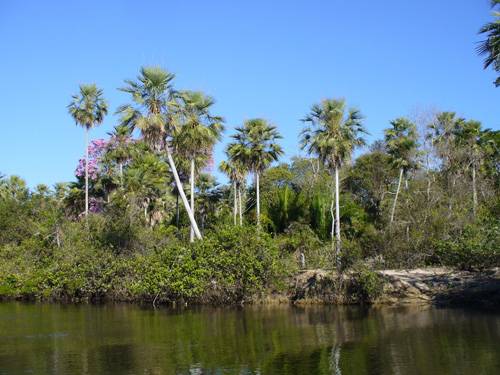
125,339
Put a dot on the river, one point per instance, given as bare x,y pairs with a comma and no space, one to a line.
128,339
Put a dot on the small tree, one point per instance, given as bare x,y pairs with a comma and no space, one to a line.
255,147
332,133
88,108
401,143
197,134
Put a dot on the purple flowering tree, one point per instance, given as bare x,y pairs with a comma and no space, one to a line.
88,108
95,151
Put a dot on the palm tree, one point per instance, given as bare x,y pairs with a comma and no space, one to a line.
491,45
88,109
401,143
234,172
468,138
332,134
255,147
197,134
119,147
152,96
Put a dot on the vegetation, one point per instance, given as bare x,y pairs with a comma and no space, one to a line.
414,198
490,47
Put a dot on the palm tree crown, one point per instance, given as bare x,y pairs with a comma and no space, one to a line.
232,171
151,96
490,47
199,130
332,134
88,107
401,143
255,145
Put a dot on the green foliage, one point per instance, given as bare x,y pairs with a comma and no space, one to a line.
490,47
365,284
243,261
477,247
229,266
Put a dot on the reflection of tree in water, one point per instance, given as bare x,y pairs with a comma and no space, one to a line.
254,340
335,360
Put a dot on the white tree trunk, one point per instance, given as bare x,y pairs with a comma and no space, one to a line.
474,190
257,190
235,203
337,215
121,174
191,182
396,196
332,214
241,209
183,195
86,171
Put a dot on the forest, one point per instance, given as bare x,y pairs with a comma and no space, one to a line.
145,218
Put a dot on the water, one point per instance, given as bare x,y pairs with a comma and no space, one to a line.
123,339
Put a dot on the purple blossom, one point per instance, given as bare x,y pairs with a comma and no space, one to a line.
96,150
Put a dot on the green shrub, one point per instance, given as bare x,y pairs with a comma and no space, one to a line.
477,247
365,285
242,260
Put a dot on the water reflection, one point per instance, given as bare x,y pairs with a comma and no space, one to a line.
123,339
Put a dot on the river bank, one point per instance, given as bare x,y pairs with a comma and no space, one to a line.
438,286
432,286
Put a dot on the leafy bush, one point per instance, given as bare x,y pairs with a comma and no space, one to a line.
365,284
243,261
476,248
230,265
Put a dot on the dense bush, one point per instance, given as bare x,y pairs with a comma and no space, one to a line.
477,247
365,284
231,265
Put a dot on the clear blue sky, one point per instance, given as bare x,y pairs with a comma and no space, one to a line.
269,59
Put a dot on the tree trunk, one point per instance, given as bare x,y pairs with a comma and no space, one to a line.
177,211
257,191
396,197
86,171
474,190
235,203
337,216
428,188
241,209
191,182
121,174
183,196
332,214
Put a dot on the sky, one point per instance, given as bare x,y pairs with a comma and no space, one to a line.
270,59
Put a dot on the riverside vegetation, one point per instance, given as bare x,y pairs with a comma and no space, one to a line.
146,221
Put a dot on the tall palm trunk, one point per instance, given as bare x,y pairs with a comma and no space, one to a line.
177,211
257,191
241,209
86,171
337,215
332,229
474,190
235,203
191,182
183,195
396,197
121,174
